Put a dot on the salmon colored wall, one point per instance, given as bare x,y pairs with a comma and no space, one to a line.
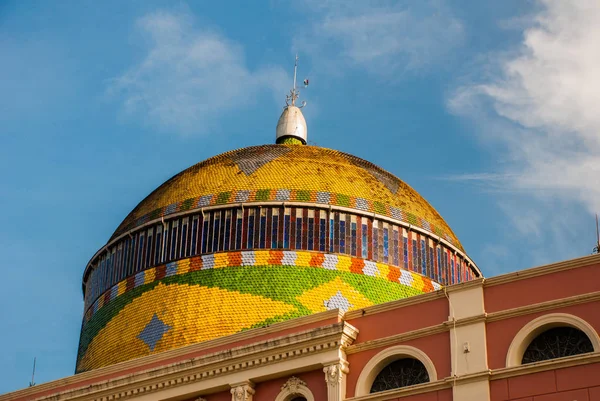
315,381
557,285
437,348
581,383
501,333
401,320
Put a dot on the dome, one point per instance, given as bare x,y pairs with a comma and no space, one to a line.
290,173
257,236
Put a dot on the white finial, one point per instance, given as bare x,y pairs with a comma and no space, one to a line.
291,127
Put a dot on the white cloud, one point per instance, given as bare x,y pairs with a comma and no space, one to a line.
382,37
550,91
189,76
539,104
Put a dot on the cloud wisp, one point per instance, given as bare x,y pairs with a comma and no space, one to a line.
382,37
189,76
538,103
547,95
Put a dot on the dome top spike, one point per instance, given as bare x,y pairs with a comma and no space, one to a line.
291,127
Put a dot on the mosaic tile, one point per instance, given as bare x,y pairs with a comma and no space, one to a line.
251,159
153,332
304,172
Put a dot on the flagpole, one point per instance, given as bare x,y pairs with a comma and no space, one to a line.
295,69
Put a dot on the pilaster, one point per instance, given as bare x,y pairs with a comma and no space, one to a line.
468,343
335,377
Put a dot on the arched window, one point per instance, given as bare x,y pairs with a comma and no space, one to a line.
557,342
400,373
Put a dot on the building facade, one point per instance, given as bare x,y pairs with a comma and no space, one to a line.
290,272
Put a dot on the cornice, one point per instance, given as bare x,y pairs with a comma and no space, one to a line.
553,364
220,363
404,392
466,321
542,270
388,306
478,282
313,341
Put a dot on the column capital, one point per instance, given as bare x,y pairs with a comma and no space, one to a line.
335,372
335,377
242,391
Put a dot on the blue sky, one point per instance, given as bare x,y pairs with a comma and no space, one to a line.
487,108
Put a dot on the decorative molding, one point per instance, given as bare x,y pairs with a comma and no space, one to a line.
222,363
385,357
294,387
542,270
466,321
293,384
477,282
398,338
543,366
179,355
334,373
544,306
533,328
404,391
242,391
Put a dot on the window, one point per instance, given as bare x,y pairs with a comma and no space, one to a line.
365,241
386,243
553,335
250,242
322,230
375,240
227,239
423,257
299,229
262,232
182,246
274,228
395,367
311,230
400,373
239,226
557,342
194,235
158,245
150,247
342,233
216,231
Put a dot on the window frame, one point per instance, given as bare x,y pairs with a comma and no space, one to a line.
537,326
382,359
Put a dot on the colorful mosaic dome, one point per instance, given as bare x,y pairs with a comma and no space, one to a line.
257,236
293,174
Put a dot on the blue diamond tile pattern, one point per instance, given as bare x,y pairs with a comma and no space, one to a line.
153,332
